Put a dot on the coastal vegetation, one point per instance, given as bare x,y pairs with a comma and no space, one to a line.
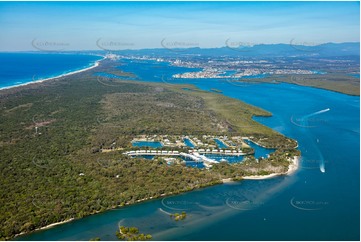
95,239
278,162
179,216
338,82
131,234
52,133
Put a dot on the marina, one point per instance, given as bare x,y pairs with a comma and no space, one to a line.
203,149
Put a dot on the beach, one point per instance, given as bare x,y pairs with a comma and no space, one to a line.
48,226
54,224
96,64
227,180
291,169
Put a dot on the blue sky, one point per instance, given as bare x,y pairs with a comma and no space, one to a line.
137,25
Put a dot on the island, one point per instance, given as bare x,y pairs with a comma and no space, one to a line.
131,234
179,216
66,145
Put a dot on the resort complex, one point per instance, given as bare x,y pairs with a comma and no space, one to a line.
204,149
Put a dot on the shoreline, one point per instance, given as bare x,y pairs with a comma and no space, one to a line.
54,224
254,142
96,64
46,227
227,180
322,88
247,138
292,168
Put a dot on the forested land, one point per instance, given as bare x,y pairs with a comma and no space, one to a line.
51,135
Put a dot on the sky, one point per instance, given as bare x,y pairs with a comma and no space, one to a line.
138,25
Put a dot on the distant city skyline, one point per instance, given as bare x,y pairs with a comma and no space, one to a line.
31,26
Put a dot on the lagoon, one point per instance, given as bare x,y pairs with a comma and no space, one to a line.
259,150
188,143
220,144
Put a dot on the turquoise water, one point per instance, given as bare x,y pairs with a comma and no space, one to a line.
228,158
319,202
194,164
319,72
149,157
256,76
151,144
355,75
188,143
189,162
220,144
35,66
258,150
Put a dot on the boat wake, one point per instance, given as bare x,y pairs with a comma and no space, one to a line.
305,123
319,112
160,209
305,119
322,166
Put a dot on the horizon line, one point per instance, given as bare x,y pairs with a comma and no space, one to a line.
181,48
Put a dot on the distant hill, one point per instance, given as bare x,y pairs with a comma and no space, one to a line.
264,50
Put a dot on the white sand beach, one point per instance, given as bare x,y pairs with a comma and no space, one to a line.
294,165
56,77
227,180
291,169
54,224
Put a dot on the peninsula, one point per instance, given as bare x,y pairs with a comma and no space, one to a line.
64,143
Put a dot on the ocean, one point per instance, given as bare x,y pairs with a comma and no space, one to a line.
318,202
21,68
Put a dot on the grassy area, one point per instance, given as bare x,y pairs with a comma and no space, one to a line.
51,133
332,81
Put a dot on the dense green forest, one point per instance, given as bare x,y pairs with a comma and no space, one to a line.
51,134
